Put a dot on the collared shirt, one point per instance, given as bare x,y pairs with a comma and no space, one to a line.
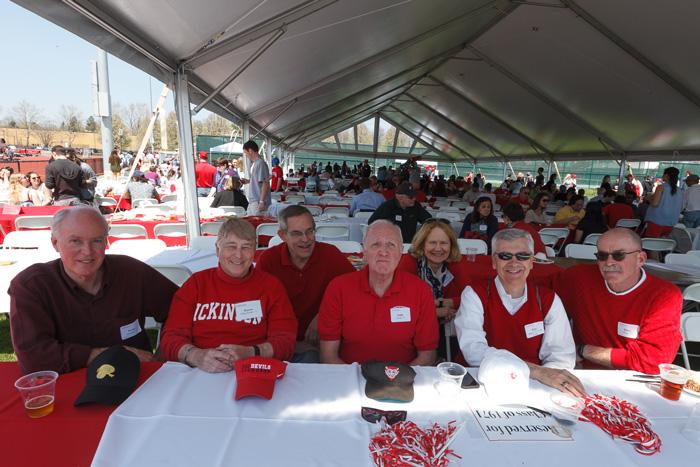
691,198
305,287
557,349
407,219
368,199
393,327
55,324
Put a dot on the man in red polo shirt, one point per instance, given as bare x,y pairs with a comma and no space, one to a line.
622,317
512,313
204,174
378,313
305,267
619,209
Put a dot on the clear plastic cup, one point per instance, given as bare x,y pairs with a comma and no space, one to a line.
691,430
38,392
673,378
451,375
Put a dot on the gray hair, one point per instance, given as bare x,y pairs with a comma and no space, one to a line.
238,227
511,235
385,222
294,210
65,215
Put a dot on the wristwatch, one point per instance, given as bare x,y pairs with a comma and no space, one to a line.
579,350
256,351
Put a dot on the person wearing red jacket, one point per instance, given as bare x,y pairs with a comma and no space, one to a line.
434,257
204,174
622,317
230,312
514,218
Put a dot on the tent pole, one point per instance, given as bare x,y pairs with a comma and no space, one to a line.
246,137
623,165
184,128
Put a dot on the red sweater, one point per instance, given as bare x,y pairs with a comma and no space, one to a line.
616,211
651,312
529,228
204,313
305,287
454,289
506,331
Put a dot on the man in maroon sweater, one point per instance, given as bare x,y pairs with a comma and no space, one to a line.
622,317
66,312
305,267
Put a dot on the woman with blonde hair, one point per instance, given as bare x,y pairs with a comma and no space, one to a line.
115,164
18,189
37,192
434,257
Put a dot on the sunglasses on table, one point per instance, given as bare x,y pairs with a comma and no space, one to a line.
616,255
521,256
373,415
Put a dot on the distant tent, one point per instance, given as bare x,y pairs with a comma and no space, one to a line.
231,147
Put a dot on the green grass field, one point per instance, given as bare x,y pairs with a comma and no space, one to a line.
6,352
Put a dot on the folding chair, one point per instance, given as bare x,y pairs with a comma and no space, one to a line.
452,216
363,214
345,246
629,223
139,203
33,239
173,234
168,198
177,274
662,245
337,211
274,241
328,199
684,242
295,199
126,232
332,232
314,210
265,230
591,239
573,250
237,211
465,244
211,228
690,321
33,222
561,233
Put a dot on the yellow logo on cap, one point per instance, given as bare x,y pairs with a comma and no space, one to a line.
105,370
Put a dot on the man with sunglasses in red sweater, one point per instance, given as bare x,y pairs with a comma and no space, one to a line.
512,313
622,317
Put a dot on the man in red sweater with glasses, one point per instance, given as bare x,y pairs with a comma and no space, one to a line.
622,317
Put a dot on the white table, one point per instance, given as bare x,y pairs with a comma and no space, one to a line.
19,261
183,416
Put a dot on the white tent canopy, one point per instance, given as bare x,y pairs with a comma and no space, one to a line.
473,80
232,147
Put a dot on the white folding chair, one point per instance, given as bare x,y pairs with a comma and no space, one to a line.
141,249
693,252
211,228
573,250
459,204
549,240
204,202
139,203
328,199
452,216
591,239
331,192
442,202
549,251
204,242
106,202
363,214
363,229
177,274
345,246
237,211
561,233
268,229
683,239
690,321
342,202
175,229
314,210
662,245
682,259
168,198
157,209
33,222
295,199
127,231
39,239
337,211
465,244
274,241
628,223
332,232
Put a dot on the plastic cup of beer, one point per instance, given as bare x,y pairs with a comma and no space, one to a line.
471,254
37,391
673,378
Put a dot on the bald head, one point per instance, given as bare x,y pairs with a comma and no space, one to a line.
79,215
629,238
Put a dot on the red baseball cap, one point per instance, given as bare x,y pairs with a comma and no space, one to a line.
256,376
203,155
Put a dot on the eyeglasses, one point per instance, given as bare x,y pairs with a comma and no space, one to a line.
520,256
616,255
436,219
34,178
307,233
373,415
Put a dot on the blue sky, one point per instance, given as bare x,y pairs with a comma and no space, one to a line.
49,66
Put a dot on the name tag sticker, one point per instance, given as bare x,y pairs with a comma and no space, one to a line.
130,330
534,329
398,218
627,330
248,310
400,314
483,228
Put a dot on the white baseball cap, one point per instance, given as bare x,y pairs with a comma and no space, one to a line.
505,377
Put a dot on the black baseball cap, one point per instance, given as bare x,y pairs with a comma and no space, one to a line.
388,381
405,188
111,377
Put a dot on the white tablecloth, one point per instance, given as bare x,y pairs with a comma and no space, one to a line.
20,260
183,417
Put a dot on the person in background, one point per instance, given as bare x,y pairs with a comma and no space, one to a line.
368,200
231,195
305,267
87,193
570,214
378,313
276,176
619,209
152,175
472,194
18,191
536,214
65,178
403,211
204,175
37,193
434,256
259,195
480,223
221,175
632,185
488,193
605,183
514,218
510,312
665,206
229,312
115,165
691,202
139,188
592,222
622,317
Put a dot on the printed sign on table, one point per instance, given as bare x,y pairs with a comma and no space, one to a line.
518,424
